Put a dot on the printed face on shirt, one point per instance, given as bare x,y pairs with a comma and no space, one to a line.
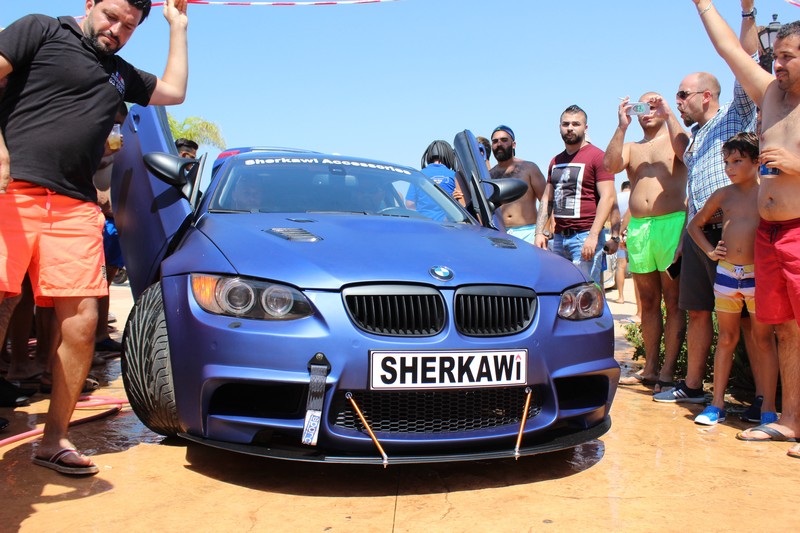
502,146
573,128
109,24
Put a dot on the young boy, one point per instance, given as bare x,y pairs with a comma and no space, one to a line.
734,286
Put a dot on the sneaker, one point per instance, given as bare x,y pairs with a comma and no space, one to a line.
108,345
681,393
710,416
753,413
768,417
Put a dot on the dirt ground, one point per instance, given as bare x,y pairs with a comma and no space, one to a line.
654,470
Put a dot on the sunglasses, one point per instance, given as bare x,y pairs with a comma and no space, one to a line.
683,95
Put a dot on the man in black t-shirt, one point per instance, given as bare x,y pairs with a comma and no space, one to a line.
65,83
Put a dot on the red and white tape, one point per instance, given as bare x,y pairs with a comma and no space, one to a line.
329,3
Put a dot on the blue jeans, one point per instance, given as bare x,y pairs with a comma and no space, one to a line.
570,248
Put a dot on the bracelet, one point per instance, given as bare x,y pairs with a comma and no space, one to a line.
704,11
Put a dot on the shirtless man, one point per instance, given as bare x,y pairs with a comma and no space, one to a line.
519,216
776,254
657,212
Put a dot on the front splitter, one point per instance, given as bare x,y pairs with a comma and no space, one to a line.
564,440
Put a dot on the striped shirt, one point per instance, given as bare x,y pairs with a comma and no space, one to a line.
703,156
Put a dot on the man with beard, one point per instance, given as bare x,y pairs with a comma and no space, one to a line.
519,217
657,215
777,254
584,197
712,124
65,84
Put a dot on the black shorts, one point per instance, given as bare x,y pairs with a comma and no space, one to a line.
698,273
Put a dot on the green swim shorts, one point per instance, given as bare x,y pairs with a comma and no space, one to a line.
652,241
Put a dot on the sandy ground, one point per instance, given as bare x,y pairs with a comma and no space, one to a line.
654,470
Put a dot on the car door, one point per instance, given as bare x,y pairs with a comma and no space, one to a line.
474,173
147,211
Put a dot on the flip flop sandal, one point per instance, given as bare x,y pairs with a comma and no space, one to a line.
640,380
773,435
56,462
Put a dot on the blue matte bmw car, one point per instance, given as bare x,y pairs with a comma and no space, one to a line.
289,304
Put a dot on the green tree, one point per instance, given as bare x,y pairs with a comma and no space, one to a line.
198,130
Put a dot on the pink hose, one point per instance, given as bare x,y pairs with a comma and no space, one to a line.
84,402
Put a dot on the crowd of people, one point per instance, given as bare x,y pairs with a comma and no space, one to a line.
709,225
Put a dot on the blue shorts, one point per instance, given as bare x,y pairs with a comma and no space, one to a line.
111,248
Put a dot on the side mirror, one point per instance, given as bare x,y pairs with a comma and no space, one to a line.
504,191
169,168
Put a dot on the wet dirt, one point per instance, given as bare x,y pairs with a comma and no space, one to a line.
655,469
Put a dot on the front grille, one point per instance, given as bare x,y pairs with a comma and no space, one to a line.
402,311
441,411
488,311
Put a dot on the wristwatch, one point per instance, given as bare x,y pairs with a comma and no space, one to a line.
615,239
750,14
546,233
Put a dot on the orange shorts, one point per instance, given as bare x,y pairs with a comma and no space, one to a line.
58,240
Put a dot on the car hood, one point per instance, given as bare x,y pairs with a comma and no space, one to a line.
328,251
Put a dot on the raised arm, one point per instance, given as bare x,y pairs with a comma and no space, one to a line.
753,78
616,158
171,87
677,135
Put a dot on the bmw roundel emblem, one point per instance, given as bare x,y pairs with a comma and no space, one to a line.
441,273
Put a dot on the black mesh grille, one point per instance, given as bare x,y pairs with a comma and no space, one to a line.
396,310
488,311
443,411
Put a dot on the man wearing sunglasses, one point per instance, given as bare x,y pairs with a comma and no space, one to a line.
711,125
777,253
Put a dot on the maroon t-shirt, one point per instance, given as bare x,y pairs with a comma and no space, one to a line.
574,179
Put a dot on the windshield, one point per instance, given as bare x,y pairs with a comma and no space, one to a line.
255,183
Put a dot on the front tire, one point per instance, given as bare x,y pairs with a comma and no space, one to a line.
146,367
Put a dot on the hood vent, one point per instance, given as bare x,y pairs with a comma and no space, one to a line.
294,234
503,243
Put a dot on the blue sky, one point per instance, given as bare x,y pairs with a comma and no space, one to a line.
383,80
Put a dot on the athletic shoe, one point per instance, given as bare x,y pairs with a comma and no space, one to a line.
108,345
710,416
681,394
768,417
753,413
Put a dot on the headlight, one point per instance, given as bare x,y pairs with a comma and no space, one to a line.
582,302
246,298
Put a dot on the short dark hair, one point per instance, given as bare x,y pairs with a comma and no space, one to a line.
441,152
187,143
625,185
576,109
143,5
746,143
787,30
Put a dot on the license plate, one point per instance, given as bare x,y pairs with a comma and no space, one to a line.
447,370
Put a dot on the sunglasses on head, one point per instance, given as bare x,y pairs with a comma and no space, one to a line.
683,95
